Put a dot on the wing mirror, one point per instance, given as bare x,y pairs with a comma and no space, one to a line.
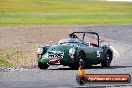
51,43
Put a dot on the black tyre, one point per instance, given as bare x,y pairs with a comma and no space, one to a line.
82,59
42,66
107,60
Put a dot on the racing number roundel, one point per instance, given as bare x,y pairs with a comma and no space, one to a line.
98,53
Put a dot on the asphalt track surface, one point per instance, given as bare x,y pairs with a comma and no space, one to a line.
119,36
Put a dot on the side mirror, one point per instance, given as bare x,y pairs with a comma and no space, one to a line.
51,43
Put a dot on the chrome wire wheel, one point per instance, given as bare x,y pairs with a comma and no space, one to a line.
108,60
82,59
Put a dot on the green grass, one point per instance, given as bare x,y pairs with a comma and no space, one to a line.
64,18
62,6
4,63
54,12
9,55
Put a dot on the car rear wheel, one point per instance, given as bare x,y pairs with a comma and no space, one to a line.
42,66
107,61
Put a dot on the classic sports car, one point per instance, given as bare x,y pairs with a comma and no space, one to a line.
74,50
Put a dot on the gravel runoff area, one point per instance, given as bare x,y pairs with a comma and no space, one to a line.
30,37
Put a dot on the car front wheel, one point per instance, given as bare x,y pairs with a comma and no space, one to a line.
42,65
82,59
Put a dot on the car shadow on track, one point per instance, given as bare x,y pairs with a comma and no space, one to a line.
62,69
111,67
93,67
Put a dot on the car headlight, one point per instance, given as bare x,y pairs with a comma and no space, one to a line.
40,50
72,51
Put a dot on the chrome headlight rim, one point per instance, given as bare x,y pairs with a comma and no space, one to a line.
72,51
40,50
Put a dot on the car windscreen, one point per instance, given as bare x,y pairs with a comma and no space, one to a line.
71,40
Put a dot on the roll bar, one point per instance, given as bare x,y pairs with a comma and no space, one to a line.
88,33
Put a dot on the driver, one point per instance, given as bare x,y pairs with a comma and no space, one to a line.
72,37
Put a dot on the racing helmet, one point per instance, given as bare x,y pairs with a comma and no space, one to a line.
72,35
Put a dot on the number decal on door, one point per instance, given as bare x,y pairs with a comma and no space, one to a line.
98,53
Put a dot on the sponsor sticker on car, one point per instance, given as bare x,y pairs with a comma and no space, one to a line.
55,55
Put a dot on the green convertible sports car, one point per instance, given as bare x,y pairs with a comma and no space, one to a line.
74,50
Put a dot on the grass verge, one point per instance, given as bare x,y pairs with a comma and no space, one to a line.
61,12
9,57
65,18
63,6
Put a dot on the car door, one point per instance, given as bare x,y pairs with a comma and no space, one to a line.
94,54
